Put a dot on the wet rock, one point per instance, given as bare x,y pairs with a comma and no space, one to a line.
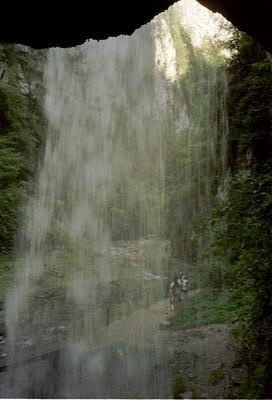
62,328
187,395
28,342
151,275
57,273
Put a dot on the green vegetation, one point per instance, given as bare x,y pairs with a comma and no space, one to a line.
18,143
240,256
217,375
179,386
250,107
20,133
242,229
204,308
236,275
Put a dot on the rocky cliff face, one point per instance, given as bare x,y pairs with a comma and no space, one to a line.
22,67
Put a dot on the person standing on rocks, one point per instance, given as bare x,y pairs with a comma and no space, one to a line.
177,291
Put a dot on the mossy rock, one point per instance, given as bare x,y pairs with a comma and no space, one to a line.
179,387
217,375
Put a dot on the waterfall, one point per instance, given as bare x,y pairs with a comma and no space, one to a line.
135,128
191,45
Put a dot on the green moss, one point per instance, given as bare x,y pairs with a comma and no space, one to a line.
179,386
203,309
217,375
195,393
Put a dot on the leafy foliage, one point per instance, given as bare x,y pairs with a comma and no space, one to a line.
203,309
250,103
240,257
242,228
18,143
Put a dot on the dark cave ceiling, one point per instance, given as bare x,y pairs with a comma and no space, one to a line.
44,25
